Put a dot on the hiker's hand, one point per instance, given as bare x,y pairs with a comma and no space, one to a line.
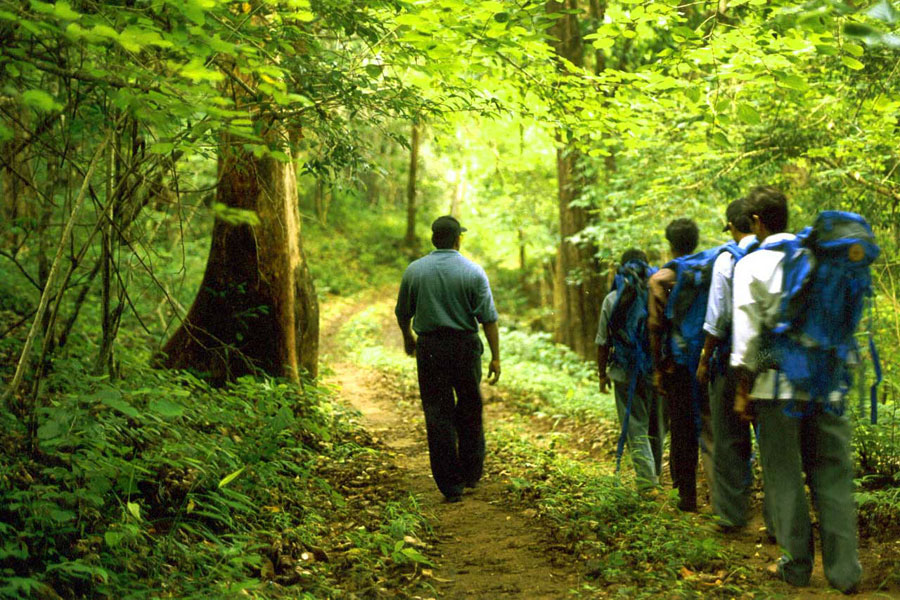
604,384
409,345
742,405
493,371
703,372
658,383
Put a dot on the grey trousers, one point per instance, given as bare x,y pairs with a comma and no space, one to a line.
818,445
733,479
645,433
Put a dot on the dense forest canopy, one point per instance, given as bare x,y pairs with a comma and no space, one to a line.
186,183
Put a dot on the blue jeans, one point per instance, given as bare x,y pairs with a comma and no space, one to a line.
644,436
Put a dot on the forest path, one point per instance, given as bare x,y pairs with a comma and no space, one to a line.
488,550
484,550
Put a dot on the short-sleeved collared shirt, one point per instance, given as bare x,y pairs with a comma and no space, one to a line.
614,371
719,306
445,290
758,283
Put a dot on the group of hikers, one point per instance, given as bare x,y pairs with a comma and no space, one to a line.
756,336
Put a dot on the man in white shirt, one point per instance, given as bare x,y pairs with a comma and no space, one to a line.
733,479
816,442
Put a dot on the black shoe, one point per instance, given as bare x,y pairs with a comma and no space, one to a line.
727,528
452,499
687,505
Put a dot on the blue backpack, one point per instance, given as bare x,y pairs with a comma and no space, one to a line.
629,337
686,306
826,284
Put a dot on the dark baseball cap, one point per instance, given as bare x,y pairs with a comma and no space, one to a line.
735,213
447,224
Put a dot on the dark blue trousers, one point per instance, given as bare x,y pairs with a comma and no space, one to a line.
448,362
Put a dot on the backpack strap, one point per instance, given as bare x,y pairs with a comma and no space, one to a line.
876,362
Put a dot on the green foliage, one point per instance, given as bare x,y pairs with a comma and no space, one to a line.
556,380
346,259
626,542
164,483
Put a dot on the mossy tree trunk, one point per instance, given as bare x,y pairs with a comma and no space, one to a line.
578,288
256,310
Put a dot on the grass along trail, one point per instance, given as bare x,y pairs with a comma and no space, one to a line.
548,520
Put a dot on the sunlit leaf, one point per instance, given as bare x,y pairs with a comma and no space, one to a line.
748,114
230,477
852,63
40,100
63,10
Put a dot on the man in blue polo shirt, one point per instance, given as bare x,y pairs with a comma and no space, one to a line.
443,297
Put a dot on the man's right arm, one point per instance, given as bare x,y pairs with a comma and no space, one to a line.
746,334
602,341
404,312
409,340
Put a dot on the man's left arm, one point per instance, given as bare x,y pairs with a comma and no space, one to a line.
486,314
492,333
658,286
718,314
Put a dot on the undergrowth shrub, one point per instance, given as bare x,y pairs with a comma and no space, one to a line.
624,542
163,486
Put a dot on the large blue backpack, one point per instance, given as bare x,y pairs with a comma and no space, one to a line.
826,283
628,334
686,306
629,338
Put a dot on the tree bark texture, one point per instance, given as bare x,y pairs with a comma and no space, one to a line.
578,287
256,311
15,182
410,238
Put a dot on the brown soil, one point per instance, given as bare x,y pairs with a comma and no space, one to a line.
486,549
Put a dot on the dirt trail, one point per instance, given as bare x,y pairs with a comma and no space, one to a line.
485,550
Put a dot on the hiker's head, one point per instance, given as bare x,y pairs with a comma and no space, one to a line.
445,233
633,254
768,210
682,235
737,221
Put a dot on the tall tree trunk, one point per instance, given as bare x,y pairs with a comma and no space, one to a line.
579,289
256,311
322,200
410,238
16,179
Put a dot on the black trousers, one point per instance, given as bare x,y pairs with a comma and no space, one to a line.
685,401
450,362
